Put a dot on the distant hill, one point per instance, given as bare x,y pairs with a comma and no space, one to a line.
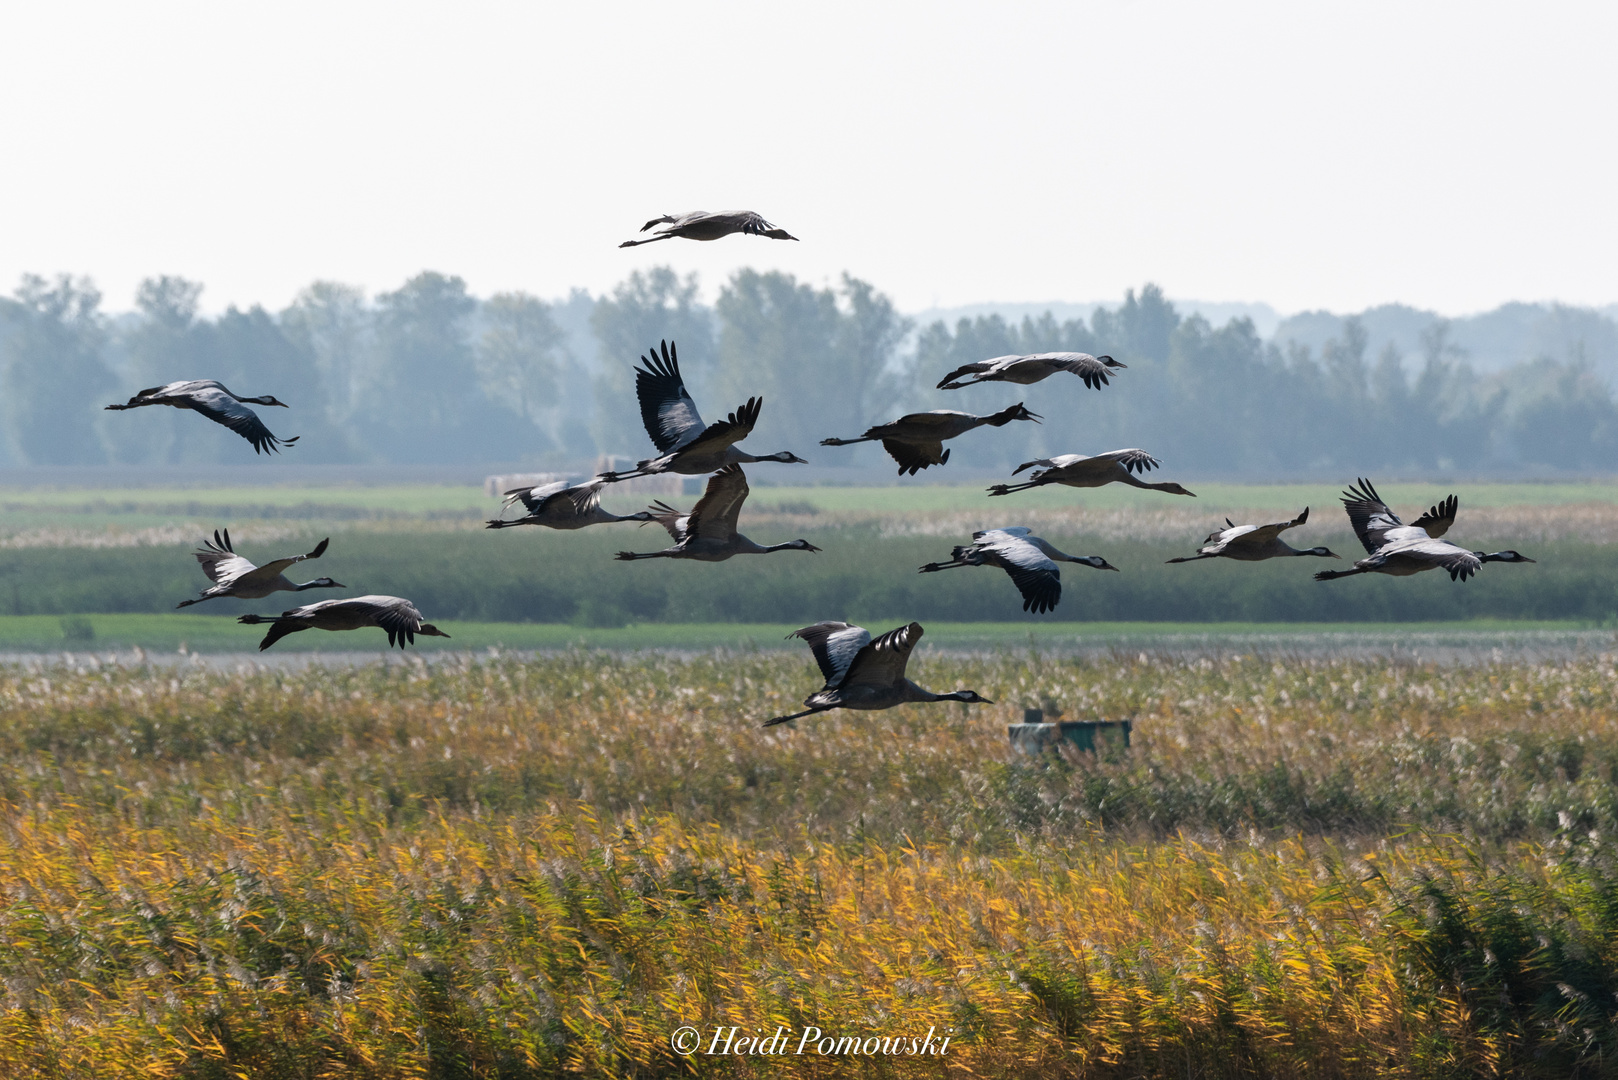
1491,341
1218,312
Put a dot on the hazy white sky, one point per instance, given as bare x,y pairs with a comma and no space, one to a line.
1446,155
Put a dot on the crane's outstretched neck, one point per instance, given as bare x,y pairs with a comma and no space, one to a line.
614,477
794,716
846,442
1168,486
790,545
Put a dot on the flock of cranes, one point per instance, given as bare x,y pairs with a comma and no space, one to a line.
860,673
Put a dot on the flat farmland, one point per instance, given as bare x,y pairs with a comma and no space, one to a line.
68,552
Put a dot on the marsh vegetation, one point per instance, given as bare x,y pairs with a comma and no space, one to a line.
502,868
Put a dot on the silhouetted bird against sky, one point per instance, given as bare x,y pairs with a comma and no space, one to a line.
701,225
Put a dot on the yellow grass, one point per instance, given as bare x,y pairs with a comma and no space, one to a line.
523,869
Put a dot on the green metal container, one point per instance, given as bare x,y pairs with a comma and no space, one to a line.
1035,736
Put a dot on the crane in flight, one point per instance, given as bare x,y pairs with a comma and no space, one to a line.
701,225
1394,548
1254,543
1032,368
218,404
1085,471
708,533
865,674
561,506
687,445
1030,561
394,614
916,440
234,576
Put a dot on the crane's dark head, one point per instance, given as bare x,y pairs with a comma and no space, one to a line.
1502,556
786,456
1325,553
321,583
1015,412
801,545
267,399
971,697
1096,561
429,630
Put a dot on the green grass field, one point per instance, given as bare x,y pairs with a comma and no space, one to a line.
88,552
216,633
141,507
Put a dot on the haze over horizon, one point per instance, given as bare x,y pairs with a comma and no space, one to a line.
1447,157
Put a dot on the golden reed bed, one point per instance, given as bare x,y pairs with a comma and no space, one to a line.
525,869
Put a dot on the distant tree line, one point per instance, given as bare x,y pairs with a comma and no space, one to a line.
429,373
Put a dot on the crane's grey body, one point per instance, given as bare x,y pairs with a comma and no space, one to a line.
865,674
708,533
562,506
1254,543
1401,550
393,614
916,440
701,225
235,577
1087,471
1024,370
1028,559
687,445
213,400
